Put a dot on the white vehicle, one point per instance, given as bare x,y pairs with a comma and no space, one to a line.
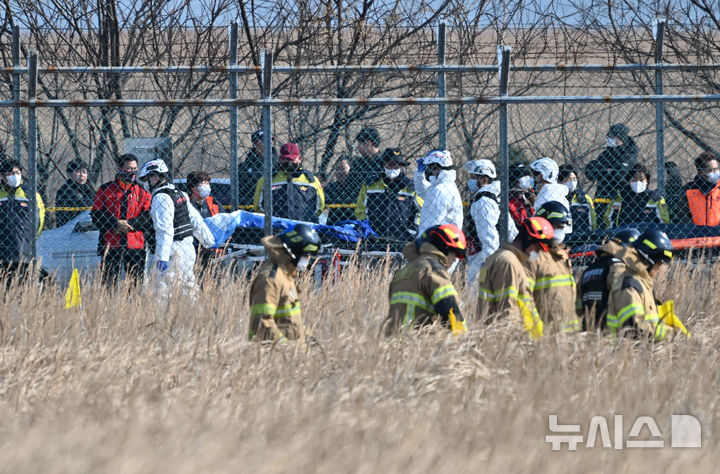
73,245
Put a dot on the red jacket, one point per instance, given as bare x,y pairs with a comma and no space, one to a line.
117,201
521,206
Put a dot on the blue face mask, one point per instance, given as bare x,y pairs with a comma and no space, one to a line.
473,185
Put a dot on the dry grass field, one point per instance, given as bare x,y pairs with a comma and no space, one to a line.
130,383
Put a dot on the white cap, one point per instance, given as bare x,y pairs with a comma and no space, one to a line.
547,168
481,167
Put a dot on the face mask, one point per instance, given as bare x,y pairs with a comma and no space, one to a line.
534,255
473,185
612,142
302,263
13,180
127,176
714,177
638,186
203,190
145,185
289,166
558,236
526,182
392,174
571,185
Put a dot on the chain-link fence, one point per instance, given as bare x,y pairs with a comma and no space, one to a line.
337,145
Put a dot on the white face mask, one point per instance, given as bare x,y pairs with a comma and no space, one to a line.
13,180
473,185
433,178
302,263
526,182
204,190
534,255
612,142
392,174
638,186
714,177
571,185
558,236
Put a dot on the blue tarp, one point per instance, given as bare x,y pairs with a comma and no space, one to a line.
224,225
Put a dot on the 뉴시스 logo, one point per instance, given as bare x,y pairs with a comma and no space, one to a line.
686,432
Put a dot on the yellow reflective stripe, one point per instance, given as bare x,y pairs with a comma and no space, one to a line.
286,311
503,293
660,332
653,318
443,292
410,298
615,321
275,311
571,326
531,282
262,308
603,200
554,281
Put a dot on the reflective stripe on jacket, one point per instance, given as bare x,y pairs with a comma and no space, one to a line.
504,290
583,212
391,207
553,289
274,305
631,306
16,234
629,207
297,196
419,288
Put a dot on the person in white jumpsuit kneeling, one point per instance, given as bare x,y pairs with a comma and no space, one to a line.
176,222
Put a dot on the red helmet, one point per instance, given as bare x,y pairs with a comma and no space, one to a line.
447,238
539,229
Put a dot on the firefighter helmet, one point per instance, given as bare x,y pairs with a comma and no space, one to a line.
447,238
654,246
555,212
300,240
625,236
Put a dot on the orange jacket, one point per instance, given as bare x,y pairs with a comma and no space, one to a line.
704,210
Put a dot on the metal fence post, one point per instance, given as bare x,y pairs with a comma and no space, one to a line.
503,71
266,65
32,149
234,185
659,30
17,121
442,108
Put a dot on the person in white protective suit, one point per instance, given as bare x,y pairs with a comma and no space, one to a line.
435,184
546,173
176,222
483,228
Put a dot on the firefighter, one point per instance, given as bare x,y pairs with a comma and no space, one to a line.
632,308
421,292
274,304
551,275
175,222
296,193
504,287
596,280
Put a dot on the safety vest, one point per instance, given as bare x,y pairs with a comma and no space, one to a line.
705,210
582,212
182,226
16,234
594,290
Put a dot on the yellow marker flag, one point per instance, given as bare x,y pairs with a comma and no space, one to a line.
457,327
531,321
669,318
72,295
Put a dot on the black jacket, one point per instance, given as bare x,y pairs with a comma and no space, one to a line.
249,171
611,167
72,194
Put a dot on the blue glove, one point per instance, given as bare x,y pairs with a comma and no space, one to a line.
161,266
421,164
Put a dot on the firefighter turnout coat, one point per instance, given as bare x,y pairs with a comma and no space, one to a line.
553,290
274,304
632,309
391,206
595,283
505,290
421,292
